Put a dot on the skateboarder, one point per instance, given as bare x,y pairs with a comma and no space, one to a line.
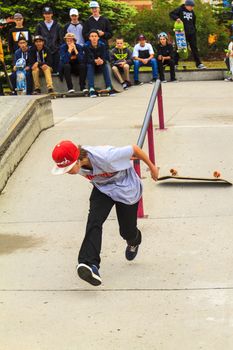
115,182
186,14
165,56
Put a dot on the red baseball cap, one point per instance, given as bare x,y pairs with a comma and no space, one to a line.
65,155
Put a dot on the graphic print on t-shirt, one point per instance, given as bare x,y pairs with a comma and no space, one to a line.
20,35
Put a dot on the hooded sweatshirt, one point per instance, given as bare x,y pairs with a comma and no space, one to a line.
187,17
119,55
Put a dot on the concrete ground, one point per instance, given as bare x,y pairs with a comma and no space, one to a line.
178,293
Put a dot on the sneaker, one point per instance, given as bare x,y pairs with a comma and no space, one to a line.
125,85
137,82
92,93
174,80
37,92
153,80
112,92
131,251
163,81
85,90
228,79
71,91
55,74
50,91
201,66
128,83
89,274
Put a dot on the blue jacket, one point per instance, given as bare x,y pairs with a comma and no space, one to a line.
20,54
67,57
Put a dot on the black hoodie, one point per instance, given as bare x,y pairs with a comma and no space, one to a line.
53,37
187,17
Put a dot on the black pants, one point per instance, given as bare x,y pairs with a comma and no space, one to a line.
192,40
227,61
55,62
161,65
100,207
77,69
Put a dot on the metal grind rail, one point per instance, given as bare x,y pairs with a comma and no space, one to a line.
147,128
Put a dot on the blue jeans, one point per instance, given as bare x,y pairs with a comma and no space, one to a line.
152,63
92,69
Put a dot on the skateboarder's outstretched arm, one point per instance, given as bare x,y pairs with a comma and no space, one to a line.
140,154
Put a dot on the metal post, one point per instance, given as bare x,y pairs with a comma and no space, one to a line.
160,109
140,205
150,134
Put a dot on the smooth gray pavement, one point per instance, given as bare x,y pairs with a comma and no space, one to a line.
178,293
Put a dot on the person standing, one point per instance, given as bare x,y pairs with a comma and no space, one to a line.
72,61
185,14
97,22
18,32
115,183
51,31
75,27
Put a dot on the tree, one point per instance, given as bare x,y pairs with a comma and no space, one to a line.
120,14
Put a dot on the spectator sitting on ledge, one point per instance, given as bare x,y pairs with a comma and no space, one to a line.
165,56
96,58
143,55
72,61
121,61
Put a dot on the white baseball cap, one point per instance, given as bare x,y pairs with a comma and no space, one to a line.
73,12
94,4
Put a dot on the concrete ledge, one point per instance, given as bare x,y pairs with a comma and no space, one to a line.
188,75
182,75
23,118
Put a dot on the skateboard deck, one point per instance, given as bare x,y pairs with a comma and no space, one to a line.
66,94
102,92
174,176
181,42
21,83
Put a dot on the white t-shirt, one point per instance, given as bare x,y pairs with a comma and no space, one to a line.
113,173
143,51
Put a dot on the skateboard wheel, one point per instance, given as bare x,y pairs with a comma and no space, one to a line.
173,172
216,174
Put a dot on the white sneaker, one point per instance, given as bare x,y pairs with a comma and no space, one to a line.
201,66
71,91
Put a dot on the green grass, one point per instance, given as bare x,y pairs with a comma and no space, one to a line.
189,65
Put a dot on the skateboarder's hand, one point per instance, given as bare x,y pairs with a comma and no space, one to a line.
154,171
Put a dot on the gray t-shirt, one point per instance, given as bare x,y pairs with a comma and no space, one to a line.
113,173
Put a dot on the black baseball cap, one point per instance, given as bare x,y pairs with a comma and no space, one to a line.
47,9
38,37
